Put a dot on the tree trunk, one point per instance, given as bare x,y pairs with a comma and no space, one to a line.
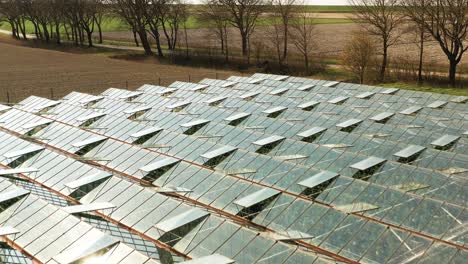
90,38
421,54
36,31
286,35
46,33
186,40
66,31
157,37
13,29
226,46
100,32
144,41
244,44
383,68
453,72
135,38
23,28
57,29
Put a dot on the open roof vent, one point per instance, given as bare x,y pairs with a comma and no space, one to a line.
367,167
267,144
215,157
317,183
173,229
252,204
157,169
81,187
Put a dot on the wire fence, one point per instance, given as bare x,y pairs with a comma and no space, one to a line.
56,89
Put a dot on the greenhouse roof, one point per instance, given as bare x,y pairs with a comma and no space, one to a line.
285,170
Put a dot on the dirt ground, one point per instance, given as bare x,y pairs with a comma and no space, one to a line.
33,71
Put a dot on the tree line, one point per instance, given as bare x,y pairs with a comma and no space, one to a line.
164,23
442,21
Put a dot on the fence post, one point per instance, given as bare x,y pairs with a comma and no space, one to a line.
52,93
216,76
189,78
8,97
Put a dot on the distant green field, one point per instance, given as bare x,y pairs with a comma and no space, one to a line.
116,24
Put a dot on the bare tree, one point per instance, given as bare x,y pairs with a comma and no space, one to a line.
380,18
243,14
153,17
420,37
217,15
358,55
303,34
100,15
447,22
10,12
134,13
283,12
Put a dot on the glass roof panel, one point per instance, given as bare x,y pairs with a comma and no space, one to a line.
411,110
218,152
215,100
130,95
318,179
268,140
274,110
199,87
8,230
306,87
349,123
311,132
137,110
444,140
145,132
308,105
279,91
87,249
211,259
89,117
92,140
178,105
356,207
460,99
159,164
198,122
17,171
237,117
437,104
331,84
9,195
338,100
24,151
91,99
367,163
249,95
409,151
256,197
88,179
390,91
37,124
365,95
83,208
382,116
182,219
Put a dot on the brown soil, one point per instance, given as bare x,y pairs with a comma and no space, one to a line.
34,71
